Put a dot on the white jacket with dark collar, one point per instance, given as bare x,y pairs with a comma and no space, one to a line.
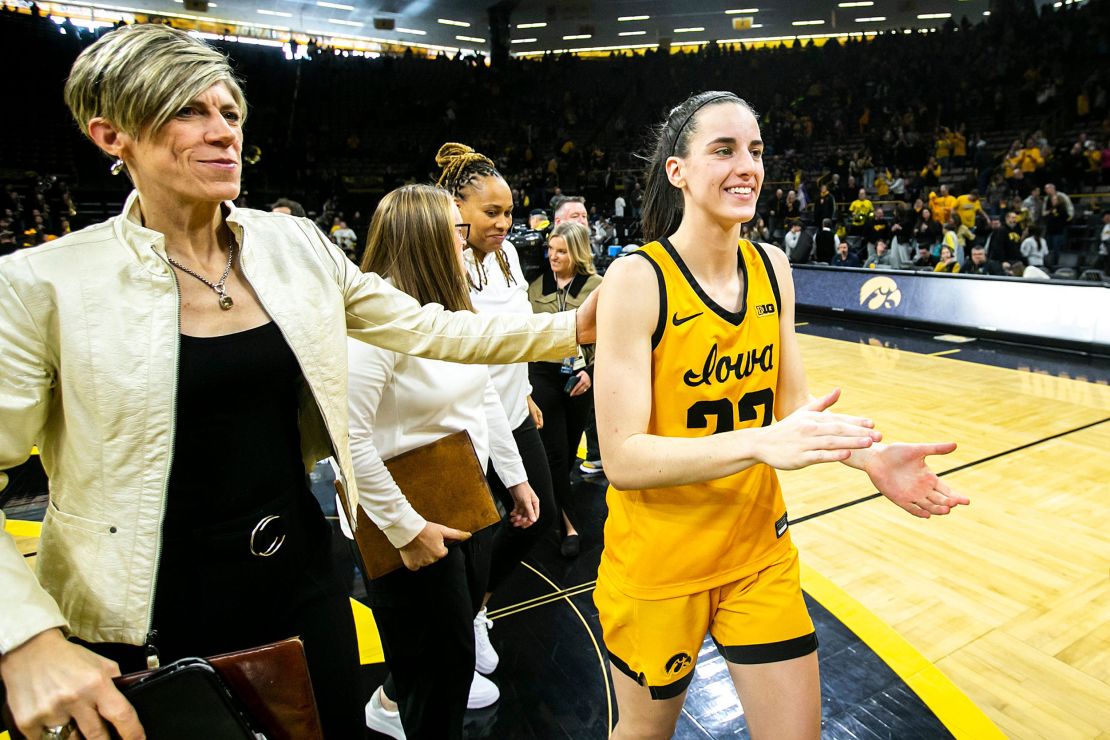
89,332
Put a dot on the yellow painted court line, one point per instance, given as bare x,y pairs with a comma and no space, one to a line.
542,601
543,597
369,642
950,705
801,323
597,648
943,352
20,528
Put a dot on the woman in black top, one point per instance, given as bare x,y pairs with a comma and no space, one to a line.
927,232
164,389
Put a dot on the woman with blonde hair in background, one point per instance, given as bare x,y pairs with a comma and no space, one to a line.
397,403
563,390
179,367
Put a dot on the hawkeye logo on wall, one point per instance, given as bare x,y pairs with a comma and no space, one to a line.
880,293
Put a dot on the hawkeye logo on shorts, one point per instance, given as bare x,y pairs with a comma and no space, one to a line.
781,525
764,309
678,663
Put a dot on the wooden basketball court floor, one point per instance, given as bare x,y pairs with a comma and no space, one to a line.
992,621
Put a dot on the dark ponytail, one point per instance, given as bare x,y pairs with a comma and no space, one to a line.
663,204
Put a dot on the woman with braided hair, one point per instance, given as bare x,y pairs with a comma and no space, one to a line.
498,286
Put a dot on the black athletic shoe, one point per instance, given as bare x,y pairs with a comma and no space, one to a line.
570,546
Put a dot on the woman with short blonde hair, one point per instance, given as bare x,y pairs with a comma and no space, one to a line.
141,76
180,366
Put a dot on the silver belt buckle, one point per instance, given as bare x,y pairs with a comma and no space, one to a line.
275,543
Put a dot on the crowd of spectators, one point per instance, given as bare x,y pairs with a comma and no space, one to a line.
965,234
869,135
35,214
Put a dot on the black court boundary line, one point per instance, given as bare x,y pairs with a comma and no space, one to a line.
956,469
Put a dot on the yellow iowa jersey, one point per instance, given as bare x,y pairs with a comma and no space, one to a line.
712,370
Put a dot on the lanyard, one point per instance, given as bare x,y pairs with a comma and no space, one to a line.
561,296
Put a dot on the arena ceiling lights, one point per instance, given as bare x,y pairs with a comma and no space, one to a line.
538,26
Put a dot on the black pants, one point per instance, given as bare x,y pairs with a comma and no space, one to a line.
426,622
593,447
564,418
512,544
209,601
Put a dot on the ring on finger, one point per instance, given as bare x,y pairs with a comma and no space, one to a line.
58,732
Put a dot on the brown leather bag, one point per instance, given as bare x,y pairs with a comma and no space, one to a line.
444,482
271,683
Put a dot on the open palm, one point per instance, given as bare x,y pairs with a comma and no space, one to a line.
899,472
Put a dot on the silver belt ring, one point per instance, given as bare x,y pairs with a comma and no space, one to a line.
274,545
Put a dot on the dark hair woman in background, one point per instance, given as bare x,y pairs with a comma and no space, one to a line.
697,358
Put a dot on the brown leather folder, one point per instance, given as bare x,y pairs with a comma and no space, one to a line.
444,483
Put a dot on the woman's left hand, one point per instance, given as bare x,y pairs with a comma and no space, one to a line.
526,509
899,472
584,384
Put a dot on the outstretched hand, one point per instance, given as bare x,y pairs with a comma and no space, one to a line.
899,472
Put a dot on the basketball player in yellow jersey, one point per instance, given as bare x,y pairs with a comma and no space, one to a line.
701,395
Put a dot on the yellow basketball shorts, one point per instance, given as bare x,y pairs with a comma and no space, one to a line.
759,619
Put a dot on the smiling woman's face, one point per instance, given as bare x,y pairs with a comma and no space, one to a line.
722,173
197,155
487,206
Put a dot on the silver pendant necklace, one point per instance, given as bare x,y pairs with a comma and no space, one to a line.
225,300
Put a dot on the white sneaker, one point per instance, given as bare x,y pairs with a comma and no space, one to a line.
591,467
380,719
483,693
485,657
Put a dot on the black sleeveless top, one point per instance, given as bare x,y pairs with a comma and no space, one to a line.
236,461
237,444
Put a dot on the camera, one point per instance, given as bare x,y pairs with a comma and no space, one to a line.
531,246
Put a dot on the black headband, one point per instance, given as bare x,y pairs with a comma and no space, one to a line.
714,99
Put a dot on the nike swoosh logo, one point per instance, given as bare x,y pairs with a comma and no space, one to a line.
679,322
